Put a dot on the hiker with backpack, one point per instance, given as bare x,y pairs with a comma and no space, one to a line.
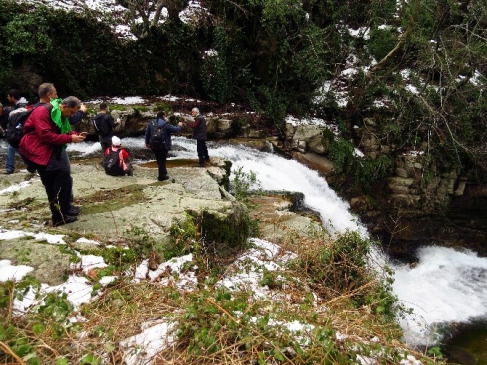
104,125
117,160
43,147
158,139
199,133
13,96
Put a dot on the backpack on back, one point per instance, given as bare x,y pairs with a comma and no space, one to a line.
158,138
16,121
112,162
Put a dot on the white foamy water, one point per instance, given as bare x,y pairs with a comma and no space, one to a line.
446,285
277,173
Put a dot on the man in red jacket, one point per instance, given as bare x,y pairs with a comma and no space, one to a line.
46,133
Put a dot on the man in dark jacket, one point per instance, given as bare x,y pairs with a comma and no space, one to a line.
104,125
199,133
13,96
161,152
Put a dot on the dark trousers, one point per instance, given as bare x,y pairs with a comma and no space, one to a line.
57,181
104,146
202,151
161,157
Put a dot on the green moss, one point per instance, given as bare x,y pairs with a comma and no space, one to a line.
226,230
326,139
138,109
162,107
117,107
115,199
92,111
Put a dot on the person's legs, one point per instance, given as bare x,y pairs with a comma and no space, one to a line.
200,149
58,184
64,155
130,169
161,157
205,150
104,146
10,160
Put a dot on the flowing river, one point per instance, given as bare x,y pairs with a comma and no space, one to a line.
447,288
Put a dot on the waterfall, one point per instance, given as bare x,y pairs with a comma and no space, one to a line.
445,286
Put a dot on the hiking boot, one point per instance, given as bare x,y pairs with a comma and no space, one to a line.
74,210
8,172
163,178
67,219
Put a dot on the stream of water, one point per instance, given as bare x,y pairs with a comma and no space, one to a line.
446,287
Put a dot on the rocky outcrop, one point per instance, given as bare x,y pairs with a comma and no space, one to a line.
118,210
412,193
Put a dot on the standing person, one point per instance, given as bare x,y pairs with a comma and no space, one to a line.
160,127
104,126
45,137
47,92
117,160
13,96
199,133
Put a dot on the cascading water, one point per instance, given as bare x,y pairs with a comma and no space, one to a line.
445,286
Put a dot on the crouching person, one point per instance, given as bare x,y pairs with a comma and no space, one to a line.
117,160
43,147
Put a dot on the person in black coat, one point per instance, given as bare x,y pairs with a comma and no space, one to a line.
104,126
161,152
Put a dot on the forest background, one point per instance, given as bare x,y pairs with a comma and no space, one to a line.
418,65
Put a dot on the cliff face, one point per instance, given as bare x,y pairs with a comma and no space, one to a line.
414,204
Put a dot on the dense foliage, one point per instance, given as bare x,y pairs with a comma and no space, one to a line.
424,60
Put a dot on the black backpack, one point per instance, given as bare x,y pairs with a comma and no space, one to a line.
158,137
16,121
111,163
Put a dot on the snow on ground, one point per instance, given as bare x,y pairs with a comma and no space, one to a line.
13,272
179,271
17,187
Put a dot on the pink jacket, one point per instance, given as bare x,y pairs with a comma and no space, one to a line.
41,137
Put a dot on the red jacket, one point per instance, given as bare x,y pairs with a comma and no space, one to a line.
41,137
125,154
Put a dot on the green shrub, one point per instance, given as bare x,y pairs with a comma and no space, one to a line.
341,153
381,42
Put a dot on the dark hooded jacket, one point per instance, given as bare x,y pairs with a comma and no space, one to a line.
161,123
199,127
106,125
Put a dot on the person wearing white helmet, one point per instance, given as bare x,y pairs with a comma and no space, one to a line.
116,159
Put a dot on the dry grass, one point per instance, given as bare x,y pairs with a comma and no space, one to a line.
217,326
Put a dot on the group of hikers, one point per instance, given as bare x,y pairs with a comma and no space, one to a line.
47,129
